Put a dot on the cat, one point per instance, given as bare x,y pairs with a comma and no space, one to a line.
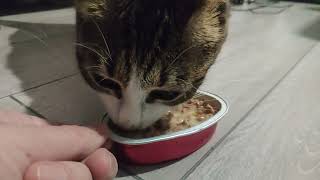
145,56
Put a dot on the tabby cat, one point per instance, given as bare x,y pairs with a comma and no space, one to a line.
144,56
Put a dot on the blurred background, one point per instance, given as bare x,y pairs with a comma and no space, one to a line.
9,7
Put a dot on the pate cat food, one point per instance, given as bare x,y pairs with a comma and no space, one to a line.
186,115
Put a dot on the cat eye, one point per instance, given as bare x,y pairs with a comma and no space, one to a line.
162,95
108,84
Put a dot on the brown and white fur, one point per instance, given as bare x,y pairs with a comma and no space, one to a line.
144,56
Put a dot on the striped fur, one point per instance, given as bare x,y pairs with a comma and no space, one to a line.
169,44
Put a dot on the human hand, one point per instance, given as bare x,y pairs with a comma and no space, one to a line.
31,149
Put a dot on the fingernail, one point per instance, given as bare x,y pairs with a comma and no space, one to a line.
113,166
47,172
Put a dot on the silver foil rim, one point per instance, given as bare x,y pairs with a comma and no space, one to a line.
186,132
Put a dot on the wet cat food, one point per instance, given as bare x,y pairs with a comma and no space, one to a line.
183,116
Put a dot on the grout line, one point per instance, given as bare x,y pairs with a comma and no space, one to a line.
25,90
64,77
126,170
27,107
40,12
130,174
136,177
196,165
40,85
4,97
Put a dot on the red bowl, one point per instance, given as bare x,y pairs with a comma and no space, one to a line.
170,146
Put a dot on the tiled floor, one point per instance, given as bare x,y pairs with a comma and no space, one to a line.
267,72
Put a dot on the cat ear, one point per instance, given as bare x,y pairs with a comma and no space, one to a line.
189,6
185,9
220,9
91,8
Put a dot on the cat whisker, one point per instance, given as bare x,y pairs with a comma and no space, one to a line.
43,42
93,67
180,55
35,36
104,59
97,66
104,77
104,38
183,52
187,83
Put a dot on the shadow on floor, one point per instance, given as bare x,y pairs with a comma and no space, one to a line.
312,30
140,169
42,54
315,8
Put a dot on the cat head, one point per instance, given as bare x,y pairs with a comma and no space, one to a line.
145,56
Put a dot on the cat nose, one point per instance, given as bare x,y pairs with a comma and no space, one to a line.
129,117
124,120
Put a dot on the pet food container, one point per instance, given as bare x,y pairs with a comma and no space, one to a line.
170,146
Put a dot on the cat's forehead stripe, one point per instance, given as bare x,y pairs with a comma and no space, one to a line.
150,40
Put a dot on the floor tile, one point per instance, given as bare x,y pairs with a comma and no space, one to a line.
279,139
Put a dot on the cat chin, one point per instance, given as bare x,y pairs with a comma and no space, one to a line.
130,116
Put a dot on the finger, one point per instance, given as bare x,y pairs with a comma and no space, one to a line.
52,142
65,170
15,118
102,164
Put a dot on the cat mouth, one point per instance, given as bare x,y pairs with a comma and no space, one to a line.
186,115
116,127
